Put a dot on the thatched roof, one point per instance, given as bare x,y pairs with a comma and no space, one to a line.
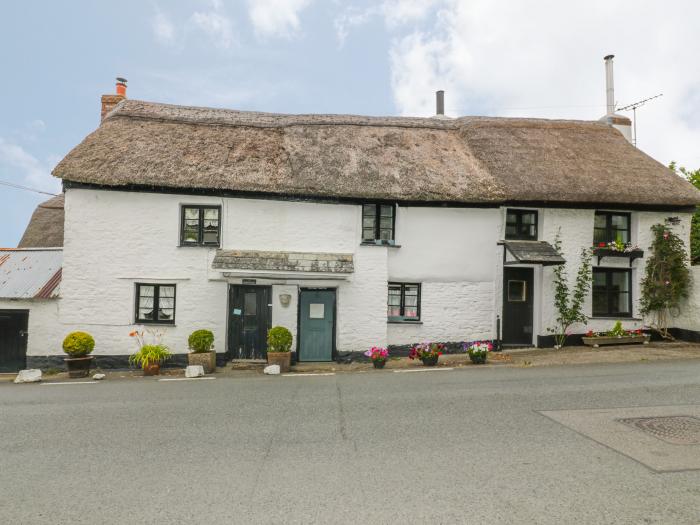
45,228
467,160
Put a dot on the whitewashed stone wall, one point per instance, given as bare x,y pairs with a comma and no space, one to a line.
45,334
116,239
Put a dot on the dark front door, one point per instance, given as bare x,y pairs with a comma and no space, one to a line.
13,340
517,306
316,325
249,320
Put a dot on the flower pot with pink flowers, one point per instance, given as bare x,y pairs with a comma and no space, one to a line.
378,356
428,353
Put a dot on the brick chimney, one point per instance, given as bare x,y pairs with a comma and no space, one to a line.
110,101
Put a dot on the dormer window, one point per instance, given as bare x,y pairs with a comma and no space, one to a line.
200,226
611,227
521,225
378,223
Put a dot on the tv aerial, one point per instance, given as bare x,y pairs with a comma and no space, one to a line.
634,107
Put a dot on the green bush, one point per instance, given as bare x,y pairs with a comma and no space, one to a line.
201,341
78,344
279,339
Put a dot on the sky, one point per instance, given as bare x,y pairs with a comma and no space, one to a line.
518,58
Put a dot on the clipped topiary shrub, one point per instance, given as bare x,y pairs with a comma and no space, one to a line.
78,344
201,341
279,339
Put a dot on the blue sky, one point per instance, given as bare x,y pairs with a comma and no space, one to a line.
517,58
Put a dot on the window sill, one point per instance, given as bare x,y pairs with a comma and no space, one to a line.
380,245
616,318
153,323
403,322
199,246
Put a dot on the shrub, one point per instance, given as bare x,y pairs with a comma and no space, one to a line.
150,354
279,339
78,344
201,341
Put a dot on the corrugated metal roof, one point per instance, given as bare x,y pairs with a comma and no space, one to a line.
30,273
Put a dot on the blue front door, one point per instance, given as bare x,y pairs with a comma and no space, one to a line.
316,325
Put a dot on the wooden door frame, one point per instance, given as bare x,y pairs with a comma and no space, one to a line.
334,350
504,300
25,314
229,327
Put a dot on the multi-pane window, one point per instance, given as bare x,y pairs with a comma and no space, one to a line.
201,225
612,292
404,302
377,222
611,227
155,303
521,225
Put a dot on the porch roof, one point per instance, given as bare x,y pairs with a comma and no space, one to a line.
268,261
533,252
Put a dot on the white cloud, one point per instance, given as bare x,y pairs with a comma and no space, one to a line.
163,29
544,59
19,166
276,18
215,24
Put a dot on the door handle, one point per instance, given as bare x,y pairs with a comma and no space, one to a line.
23,333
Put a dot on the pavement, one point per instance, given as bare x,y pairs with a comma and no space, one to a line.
476,445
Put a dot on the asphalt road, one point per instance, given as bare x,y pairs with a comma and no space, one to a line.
462,446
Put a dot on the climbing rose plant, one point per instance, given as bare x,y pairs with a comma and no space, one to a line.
569,302
666,279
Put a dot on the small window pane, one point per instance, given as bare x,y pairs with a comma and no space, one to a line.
386,222
600,221
250,302
211,214
387,210
620,222
316,310
517,291
385,235
192,213
410,311
368,234
369,210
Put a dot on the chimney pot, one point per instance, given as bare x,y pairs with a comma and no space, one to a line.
109,102
440,102
609,85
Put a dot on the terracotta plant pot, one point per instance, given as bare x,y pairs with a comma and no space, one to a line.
152,370
379,363
206,359
283,359
78,366
431,360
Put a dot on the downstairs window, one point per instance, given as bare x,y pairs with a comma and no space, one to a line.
404,302
155,303
612,292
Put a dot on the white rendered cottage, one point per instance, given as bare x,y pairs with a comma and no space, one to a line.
351,231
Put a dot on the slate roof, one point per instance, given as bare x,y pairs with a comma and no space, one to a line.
534,252
337,263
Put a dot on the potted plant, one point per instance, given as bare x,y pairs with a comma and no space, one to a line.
78,346
279,347
149,356
429,353
478,351
201,344
378,356
615,336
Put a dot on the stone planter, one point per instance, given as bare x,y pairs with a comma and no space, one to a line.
78,366
595,342
206,359
283,359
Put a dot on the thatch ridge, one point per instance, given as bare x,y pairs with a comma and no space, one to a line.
467,160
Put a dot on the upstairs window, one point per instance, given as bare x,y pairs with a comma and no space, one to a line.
521,225
404,302
155,303
612,292
200,226
611,227
378,222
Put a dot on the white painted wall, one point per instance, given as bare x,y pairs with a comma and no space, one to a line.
115,239
45,334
